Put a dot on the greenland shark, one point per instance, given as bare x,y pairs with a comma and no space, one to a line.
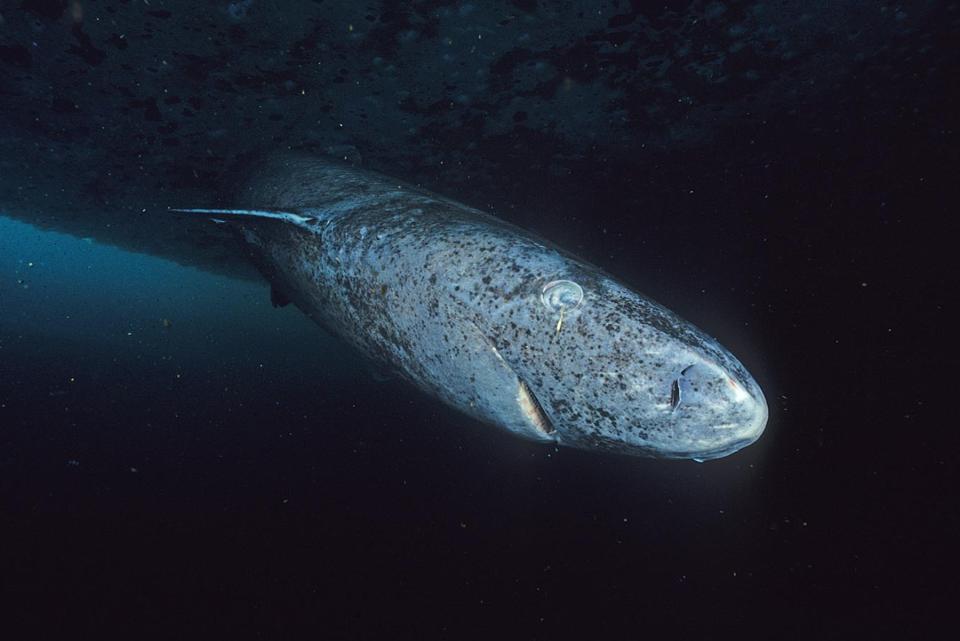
490,318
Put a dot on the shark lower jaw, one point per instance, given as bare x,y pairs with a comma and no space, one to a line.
640,449
710,454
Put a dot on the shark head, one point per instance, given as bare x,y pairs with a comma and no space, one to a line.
599,366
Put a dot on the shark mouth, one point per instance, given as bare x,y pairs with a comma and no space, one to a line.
532,409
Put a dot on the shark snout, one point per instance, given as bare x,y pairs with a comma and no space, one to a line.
718,413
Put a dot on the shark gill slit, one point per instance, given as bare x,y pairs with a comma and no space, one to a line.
532,408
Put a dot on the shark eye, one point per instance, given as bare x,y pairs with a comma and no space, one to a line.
561,295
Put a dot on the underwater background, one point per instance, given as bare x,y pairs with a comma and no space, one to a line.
180,458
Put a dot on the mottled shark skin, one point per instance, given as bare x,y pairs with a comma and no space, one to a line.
491,319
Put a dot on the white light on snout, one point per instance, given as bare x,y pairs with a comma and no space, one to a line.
739,394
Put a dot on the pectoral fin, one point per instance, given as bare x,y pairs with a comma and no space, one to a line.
300,218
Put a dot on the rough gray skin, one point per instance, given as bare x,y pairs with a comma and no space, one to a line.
468,308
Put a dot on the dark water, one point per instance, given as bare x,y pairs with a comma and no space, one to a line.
180,459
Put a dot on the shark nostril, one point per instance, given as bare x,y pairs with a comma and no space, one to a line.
676,390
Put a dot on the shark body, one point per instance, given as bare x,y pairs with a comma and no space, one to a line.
489,318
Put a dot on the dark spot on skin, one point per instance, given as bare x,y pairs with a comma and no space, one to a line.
84,47
16,55
151,112
45,9
528,6
621,20
61,106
